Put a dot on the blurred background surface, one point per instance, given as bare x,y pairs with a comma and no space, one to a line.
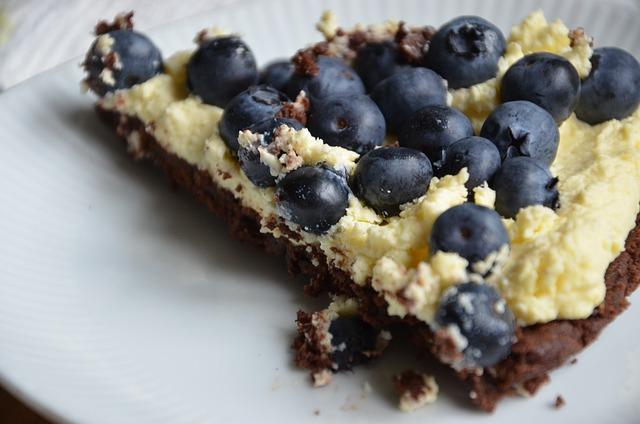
36,35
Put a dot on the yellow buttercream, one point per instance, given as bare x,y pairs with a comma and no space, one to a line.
170,126
558,260
146,101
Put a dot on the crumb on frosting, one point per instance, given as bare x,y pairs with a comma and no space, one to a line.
123,20
209,34
297,109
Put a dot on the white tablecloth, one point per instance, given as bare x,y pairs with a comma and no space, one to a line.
44,33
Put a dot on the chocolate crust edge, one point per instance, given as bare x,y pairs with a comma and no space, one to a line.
539,349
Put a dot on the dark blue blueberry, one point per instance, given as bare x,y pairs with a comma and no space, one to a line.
334,77
612,89
277,74
470,230
465,51
249,157
546,79
388,177
221,68
352,341
353,122
313,197
523,182
482,318
251,106
377,61
120,59
479,155
432,129
522,128
406,92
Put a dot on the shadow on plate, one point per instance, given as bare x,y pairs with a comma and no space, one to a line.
176,218
180,220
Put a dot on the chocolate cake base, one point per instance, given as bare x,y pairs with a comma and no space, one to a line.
539,349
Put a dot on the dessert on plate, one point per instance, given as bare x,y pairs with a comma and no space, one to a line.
477,190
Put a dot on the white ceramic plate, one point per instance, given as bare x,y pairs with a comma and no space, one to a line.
122,301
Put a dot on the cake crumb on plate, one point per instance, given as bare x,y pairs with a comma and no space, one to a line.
415,390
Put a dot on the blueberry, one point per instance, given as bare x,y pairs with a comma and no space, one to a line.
353,122
523,182
470,230
407,91
482,318
352,339
249,157
334,77
546,79
377,61
432,129
251,106
388,177
120,59
277,74
465,51
479,155
612,89
521,128
221,68
313,197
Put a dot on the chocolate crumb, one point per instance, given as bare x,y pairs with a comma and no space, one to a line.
357,39
321,49
297,109
574,361
305,63
444,347
310,350
409,381
414,389
109,60
316,412
224,174
121,21
202,36
576,34
413,43
559,403
533,385
402,31
208,34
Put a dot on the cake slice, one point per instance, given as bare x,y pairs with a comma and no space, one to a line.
497,240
